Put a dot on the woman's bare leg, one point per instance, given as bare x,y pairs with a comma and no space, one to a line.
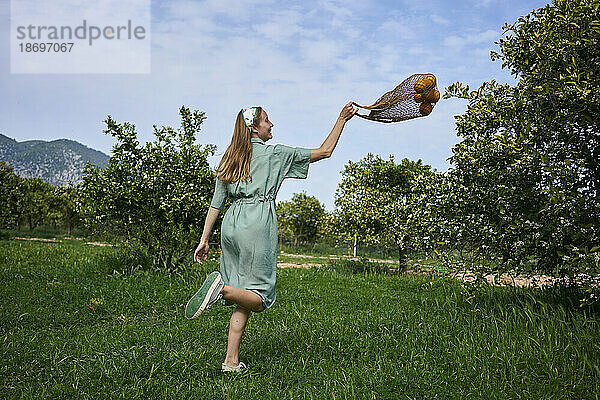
237,324
246,301
243,297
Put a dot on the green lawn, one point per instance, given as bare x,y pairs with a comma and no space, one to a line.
72,327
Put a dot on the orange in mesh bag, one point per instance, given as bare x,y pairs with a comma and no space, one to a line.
414,97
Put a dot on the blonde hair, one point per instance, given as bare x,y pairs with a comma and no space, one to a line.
235,164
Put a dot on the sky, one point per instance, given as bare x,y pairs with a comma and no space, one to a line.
300,61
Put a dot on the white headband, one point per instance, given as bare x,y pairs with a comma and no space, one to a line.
249,116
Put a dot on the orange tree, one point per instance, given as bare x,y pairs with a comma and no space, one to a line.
372,202
36,200
10,195
300,217
153,196
525,180
66,204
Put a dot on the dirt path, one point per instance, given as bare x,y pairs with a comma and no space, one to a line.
510,279
505,279
55,240
292,265
39,240
336,257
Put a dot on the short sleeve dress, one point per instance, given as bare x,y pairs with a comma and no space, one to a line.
249,230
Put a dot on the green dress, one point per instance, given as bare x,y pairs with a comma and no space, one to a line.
249,230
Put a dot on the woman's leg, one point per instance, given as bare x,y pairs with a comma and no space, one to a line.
237,324
243,297
246,301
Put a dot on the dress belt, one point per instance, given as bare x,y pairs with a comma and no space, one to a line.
254,199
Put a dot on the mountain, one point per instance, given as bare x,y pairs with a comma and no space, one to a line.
58,162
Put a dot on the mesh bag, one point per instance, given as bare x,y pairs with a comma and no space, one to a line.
400,103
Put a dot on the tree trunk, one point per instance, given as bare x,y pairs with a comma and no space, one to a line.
402,261
355,241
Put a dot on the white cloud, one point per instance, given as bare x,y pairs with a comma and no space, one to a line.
322,53
460,41
240,9
481,3
482,53
281,26
338,9
439,20
417,50
396,29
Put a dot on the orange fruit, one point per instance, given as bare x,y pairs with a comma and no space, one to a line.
425,108
429,81
431,96
419,86
418,97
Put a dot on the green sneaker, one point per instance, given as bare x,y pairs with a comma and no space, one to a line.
209,294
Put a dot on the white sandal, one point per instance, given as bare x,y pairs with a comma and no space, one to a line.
229,368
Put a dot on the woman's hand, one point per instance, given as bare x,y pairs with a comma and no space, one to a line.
331,141
348,112
201,252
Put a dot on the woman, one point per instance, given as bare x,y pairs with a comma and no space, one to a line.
251,173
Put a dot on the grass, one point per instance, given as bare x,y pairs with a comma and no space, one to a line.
74,324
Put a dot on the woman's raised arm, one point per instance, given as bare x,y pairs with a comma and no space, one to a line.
331,141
